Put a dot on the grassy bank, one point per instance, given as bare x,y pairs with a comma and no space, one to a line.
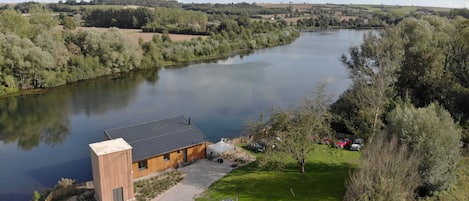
326,172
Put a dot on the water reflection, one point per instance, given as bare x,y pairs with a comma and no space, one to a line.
31,119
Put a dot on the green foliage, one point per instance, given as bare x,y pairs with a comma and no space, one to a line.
289,133
251,183
36,196
37,53
233,9
388,171
423,59
457,191
69,23
13,22
431,131
373,68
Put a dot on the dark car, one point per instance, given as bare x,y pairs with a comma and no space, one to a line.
255,147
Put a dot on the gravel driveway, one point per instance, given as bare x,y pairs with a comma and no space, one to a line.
198,177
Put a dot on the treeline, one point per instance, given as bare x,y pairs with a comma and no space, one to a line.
410,83
148,19
230,36
148,3
38,53
233,9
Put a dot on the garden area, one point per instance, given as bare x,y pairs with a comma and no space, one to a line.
327,169
148,189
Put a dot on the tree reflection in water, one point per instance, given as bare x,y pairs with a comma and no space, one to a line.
31,119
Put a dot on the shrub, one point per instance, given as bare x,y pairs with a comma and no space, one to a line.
388,171
432,132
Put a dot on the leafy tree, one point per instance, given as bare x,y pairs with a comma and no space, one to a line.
431,131
387,171
13,22
289,133
69,23
373,69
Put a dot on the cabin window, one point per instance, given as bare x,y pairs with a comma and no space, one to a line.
166,157
142,165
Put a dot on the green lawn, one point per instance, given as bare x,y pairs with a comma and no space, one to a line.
326,171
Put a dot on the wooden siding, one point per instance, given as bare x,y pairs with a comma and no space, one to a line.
158,164
111,171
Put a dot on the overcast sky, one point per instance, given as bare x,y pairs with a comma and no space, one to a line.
434,3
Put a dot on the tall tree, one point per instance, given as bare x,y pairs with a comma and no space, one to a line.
372,67
288,133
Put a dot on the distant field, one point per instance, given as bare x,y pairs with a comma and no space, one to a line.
303,7
300,7
135,34
77,7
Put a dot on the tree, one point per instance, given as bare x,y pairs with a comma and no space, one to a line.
373,69
289,132
387,171
69,23
431,131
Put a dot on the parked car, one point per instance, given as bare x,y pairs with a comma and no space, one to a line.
343,143
325,140
255,147
357,144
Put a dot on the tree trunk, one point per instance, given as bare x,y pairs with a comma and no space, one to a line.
302,166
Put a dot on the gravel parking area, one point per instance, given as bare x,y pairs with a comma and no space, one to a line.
198,177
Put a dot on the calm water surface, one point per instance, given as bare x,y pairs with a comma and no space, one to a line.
45,137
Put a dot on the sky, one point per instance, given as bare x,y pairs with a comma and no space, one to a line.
432,3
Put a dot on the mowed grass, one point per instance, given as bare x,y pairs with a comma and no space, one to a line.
327,169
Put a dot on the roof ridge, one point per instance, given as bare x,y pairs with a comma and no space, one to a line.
143,123
157,136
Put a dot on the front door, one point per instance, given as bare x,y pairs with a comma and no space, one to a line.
117,194
184,155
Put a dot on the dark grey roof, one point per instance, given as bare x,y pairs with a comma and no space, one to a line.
158,137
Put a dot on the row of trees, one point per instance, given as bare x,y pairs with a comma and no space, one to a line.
233,9
148,19
38,53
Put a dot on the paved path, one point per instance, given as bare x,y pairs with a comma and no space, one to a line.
198,177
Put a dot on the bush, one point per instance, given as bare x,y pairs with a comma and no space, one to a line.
64,183
387,171
432,132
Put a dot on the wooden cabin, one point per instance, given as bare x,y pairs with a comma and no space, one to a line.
160,145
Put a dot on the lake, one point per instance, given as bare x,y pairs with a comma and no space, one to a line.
45,137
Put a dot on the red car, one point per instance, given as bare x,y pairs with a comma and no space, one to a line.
325,140
343,143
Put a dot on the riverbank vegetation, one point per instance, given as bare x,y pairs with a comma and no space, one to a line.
410,82
38,53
